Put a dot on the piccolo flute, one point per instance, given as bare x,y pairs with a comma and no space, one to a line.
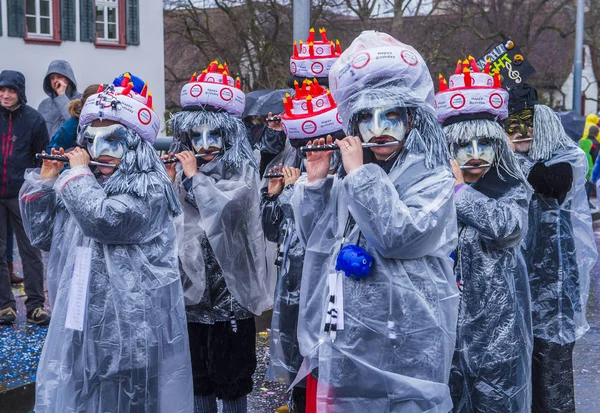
334,147
483,165
198,156
270,176
66,160
521,140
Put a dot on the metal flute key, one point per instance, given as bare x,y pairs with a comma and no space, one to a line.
270,176
198,156
66,160
483,165
334,147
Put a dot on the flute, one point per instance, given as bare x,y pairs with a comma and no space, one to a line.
198,156
270,176
66,160
521,140
334,147
484,165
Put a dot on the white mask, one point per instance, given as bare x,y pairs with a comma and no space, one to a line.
106,140
203,137
378,122
477,149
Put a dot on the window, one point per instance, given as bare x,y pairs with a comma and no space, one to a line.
38,15
107,20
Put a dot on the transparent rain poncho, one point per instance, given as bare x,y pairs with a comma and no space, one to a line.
227,211
133,353
395,350
279,227
491,369
560,249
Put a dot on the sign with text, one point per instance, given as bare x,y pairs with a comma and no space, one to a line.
509,60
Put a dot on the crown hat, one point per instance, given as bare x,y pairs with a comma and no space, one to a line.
127,101
471,92
311,113
214,87
315,57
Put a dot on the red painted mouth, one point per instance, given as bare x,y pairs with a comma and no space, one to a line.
476,162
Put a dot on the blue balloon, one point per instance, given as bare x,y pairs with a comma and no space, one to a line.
354,261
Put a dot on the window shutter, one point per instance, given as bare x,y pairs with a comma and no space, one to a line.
67,20
133,22
87,25
0,19
16,18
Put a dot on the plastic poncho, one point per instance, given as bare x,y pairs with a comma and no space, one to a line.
279,227
395,351
491,369
560,249
133,353
226,195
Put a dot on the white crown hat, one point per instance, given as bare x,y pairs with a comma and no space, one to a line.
471,92
127,101
214,87
311,113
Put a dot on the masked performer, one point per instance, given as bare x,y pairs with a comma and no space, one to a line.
378,299
117,341
222,251
491,370
310,114
559,249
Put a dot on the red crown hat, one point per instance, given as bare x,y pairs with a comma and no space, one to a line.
471,91
314,58
214,87
312,112
127,101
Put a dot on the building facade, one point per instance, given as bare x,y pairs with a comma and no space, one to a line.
99,38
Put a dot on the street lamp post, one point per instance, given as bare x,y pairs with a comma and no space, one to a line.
301,19
578,61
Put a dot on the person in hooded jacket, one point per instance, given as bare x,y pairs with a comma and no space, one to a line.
118,341
378,301
559,248
491,370
61,87
66,136
221,244
23,134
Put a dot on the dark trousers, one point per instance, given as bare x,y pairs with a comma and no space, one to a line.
10,242
33,269
223,361
552,377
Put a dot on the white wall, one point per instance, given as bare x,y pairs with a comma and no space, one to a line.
90,64
589,85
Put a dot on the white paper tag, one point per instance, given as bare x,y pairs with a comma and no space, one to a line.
77,307
339,299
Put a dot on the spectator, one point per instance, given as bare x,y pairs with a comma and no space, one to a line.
23,134
66,134
61,88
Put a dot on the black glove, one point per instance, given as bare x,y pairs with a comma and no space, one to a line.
554,181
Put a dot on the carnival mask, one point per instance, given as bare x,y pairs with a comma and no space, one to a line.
519,122
106,141
479,151
203,137
383,123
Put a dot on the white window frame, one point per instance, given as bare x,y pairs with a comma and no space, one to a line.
106,4
38,19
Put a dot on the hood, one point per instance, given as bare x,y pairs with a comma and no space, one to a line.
14,80
62,67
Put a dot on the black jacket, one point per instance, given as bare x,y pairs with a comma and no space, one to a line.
23,133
